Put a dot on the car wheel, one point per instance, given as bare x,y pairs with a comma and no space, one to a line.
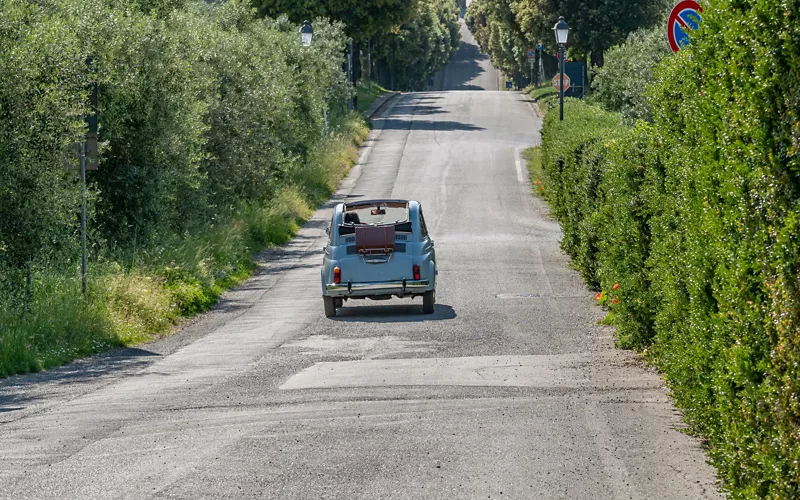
428,301
330,307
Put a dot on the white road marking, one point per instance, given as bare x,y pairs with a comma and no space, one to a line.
518,161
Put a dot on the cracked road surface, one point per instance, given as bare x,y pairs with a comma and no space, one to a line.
510,389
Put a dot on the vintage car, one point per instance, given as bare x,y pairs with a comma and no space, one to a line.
378,249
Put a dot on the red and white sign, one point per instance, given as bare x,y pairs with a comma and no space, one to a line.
557,82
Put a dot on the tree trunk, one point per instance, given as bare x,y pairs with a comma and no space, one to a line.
598,58
356,61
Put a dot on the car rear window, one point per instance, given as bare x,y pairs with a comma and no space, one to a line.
378,214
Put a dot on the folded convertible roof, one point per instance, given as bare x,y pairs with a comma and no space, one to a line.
372,203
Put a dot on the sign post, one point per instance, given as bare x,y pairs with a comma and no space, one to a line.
540,50
533,65
532,62
83,219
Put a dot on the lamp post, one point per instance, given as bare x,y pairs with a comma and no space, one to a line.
561,31
306,33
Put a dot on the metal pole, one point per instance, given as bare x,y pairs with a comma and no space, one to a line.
561,91
369,65
541,66
394,66
533,61
83,218
356,66
350,73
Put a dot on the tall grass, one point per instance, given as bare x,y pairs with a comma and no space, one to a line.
545,95
367,95
533,156
139,296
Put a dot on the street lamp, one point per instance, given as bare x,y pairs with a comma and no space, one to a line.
561,31
306,33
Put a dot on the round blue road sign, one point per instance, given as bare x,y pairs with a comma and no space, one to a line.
683,18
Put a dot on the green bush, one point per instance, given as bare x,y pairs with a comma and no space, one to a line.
620,84
692,225
203,108
40,88
212,148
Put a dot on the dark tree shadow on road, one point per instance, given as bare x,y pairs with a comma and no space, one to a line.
439,126
416,108
18,392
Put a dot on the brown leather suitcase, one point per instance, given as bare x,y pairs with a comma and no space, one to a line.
374,239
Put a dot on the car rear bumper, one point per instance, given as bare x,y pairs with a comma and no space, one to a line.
404,287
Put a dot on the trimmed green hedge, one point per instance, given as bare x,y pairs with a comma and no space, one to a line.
571,150
692,226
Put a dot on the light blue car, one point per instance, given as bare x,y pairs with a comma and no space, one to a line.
378,249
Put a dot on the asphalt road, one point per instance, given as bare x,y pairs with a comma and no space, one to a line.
469,69
510,389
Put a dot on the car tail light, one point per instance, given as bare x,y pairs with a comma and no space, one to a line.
337,275
416,272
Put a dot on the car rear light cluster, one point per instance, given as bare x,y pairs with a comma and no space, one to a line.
337,275
416,272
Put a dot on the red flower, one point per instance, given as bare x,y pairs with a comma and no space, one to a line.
616,286
615,301
599,296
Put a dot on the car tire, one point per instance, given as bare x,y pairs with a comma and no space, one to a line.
330,307
428,302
